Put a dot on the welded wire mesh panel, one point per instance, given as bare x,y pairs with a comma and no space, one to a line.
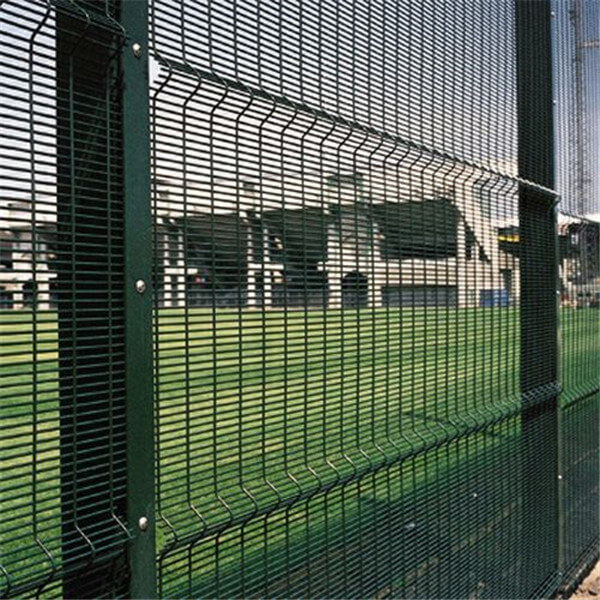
355,254
61,310
577,57
580,468
337,281
579,247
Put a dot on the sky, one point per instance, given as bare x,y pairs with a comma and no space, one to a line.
438,74
434,82
569,130
433,74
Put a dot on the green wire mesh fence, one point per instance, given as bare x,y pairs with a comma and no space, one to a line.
62,489
577,58
299,299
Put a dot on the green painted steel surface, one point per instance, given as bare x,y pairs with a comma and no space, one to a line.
138,302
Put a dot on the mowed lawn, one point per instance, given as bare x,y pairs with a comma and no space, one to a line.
262,407
257,409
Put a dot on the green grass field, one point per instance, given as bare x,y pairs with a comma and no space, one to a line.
284,402
255,409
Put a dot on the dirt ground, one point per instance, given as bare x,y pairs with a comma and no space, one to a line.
590,586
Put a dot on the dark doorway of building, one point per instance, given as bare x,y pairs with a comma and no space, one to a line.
507,279
29,294
355,290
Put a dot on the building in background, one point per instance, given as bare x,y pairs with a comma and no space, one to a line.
27,256
579,262
328,243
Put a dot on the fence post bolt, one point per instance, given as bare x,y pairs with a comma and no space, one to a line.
137,50
140,286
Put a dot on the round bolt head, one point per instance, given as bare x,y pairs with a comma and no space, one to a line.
137,49
140,286
143,523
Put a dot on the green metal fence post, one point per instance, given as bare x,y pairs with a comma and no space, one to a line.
138,300
539,312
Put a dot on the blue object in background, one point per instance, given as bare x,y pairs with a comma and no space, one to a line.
494,298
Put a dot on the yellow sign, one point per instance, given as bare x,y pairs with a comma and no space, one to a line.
510,237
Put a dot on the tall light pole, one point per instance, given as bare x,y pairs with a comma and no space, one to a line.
583,181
